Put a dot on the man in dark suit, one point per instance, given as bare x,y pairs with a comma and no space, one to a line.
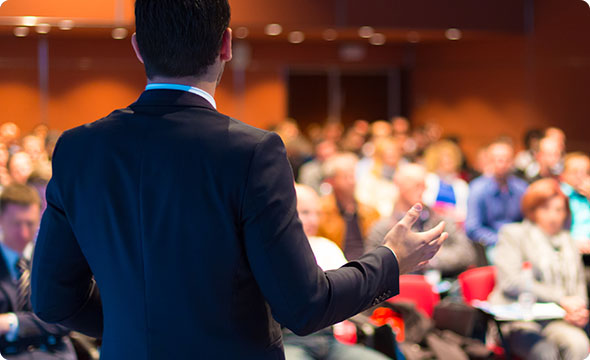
23,334
186,219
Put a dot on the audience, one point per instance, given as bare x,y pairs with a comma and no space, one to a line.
311,172
361,200
345,220
558,277
446,193
494,200
375,187
322,344
549,157
20,166
525,161
457,252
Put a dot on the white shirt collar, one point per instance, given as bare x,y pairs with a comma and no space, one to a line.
195,90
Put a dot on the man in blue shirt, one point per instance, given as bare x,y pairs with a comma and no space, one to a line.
494,200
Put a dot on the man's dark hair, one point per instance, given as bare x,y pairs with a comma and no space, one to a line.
18,194
179,38
532,134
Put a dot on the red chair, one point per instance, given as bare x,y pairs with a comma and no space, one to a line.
415,289
477,283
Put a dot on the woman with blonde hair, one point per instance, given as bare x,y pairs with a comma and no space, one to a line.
446,192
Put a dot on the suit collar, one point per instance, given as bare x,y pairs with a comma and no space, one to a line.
167,97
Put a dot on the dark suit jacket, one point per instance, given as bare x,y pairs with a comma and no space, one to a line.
34,335
187,220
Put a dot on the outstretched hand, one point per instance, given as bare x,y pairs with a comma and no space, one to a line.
414,250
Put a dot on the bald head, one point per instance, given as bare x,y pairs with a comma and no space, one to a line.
411,182
308,207
550,152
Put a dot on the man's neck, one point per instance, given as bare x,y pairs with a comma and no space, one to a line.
201,83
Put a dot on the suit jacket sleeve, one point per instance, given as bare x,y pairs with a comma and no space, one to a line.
302,297
62,287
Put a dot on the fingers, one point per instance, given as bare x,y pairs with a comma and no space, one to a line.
411,216
440,240
432,234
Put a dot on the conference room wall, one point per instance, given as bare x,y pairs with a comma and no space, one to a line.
476,89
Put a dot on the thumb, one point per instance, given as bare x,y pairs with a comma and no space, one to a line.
411,216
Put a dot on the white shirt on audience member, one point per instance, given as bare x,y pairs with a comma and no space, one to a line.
327,254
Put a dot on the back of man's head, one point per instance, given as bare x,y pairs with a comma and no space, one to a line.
180,38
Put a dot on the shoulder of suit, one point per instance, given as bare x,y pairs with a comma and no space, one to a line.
247,132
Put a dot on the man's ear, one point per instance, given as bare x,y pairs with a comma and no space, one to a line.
226,52
136,48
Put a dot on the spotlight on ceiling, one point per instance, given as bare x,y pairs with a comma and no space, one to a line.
330,35
21,31
242,32
29,20
65,25
296,37
43,28
413,37
273,29
453,34
377,39
366,32
119,33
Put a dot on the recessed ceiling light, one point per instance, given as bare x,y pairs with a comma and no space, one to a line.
273,29
296,37
366,32
43,28
2,2
29,20
453,34
377,39
242,32
330,35
65,24
119,33
413,37
21,31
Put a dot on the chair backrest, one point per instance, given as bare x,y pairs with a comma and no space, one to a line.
477,283
415,289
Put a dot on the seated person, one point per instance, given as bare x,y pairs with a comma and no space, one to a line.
557,276
344,219
457,252
446,192
494,200
322,344
22,334
575,184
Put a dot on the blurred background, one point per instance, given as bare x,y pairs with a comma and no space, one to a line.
478,69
